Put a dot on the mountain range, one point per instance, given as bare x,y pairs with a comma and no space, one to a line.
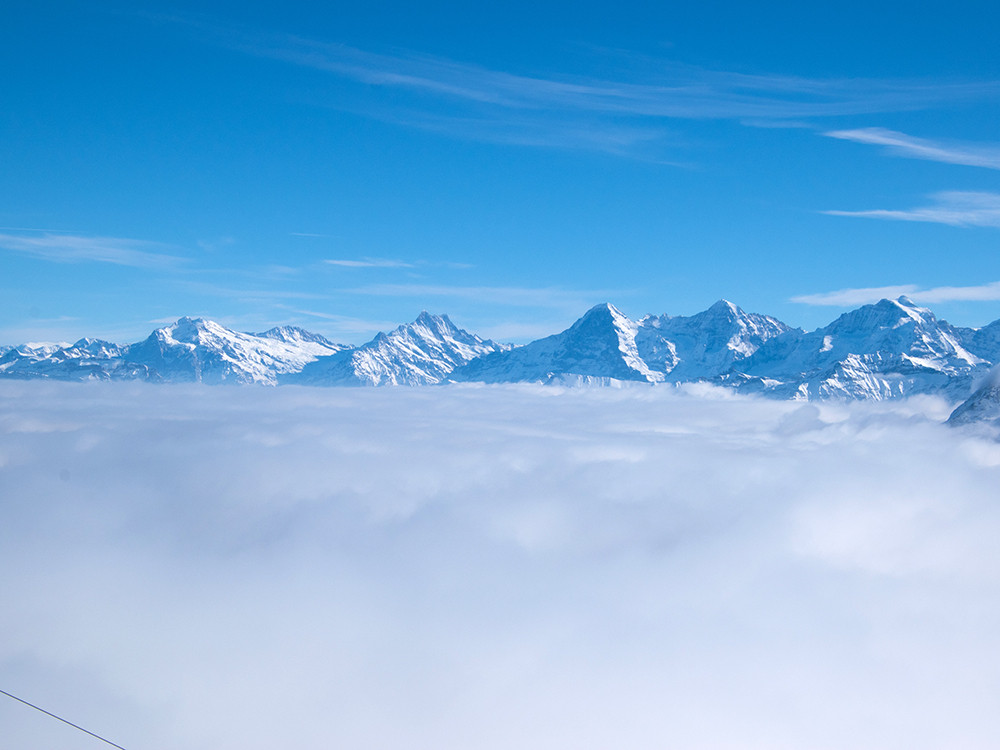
886,350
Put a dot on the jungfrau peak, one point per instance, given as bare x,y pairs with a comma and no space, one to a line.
888,349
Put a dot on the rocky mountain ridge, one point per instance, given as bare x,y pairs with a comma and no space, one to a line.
889,349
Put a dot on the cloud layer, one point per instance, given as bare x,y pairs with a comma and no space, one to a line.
493,568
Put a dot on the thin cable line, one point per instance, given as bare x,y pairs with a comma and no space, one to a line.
49,713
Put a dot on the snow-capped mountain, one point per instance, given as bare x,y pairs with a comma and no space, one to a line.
884,350
191,349
420,353
599,347
87,359
983,342
889,349
704,345
982,407
194,349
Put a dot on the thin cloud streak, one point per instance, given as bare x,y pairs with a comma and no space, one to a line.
866,295
954,208
549,297
369,263
578,112
68,248
683,91
901,144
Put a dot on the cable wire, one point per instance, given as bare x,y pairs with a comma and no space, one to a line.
49,713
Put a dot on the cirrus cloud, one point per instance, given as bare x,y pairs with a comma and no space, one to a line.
955,208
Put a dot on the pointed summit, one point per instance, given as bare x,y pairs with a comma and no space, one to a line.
599,346
200,350
888,349
724,307
706,344
420,353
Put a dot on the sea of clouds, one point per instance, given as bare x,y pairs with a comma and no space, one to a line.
186,567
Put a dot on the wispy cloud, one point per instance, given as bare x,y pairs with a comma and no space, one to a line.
369,263
626,114
901,144
678,90
345,326
853,297
71,248
955,208
866,295
548,297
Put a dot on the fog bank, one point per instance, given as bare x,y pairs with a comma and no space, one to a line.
189,567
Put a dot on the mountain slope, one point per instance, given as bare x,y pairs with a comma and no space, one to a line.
421,353
885,350
600,346
704,345
982,407
198,350
87,359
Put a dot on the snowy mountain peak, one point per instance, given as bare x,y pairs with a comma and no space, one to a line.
432,325
883,350
888,349
724,308
426,318
604,311
197,349
706,344
423,352
296,335
598,347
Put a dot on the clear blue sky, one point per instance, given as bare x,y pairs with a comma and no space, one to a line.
510,164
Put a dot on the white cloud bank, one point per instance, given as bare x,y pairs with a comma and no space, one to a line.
493,568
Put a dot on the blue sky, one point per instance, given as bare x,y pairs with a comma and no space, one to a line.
508,164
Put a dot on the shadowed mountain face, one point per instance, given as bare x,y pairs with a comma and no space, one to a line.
599,346
890,349
982,407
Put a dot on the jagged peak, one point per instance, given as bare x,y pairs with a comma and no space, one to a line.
724,306
436,322
904,303
605,310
